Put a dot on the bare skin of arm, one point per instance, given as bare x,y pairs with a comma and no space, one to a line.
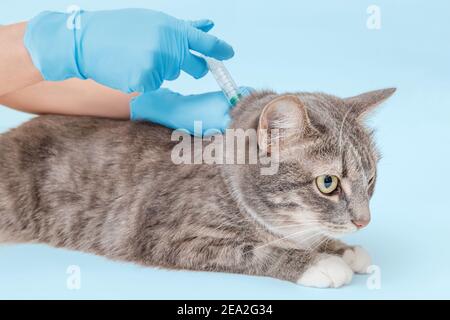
17,69
71,97
23,88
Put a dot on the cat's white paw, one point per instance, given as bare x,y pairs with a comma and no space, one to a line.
358,259
327,272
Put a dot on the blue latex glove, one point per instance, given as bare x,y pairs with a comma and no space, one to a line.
177,111
130,49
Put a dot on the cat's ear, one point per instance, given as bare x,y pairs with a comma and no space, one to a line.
283,120
365,103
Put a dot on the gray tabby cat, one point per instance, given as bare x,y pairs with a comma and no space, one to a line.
110,188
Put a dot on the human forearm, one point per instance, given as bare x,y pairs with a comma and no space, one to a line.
88,98
70,97
17,69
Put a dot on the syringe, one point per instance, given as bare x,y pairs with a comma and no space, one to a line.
225,81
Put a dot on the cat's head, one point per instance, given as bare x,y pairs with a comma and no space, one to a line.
327,161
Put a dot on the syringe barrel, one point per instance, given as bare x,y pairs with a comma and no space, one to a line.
224,80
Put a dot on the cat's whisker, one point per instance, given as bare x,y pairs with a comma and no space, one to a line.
319,233
277,240
292,221
310,222
312,249
315,245
286,237
295,225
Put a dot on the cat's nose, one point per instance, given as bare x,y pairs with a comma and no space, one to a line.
361,223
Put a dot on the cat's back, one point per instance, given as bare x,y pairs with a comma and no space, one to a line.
51,136
81,154
69,127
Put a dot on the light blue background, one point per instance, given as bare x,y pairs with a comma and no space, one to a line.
307,46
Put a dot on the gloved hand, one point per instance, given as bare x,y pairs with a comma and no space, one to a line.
130,49
177,111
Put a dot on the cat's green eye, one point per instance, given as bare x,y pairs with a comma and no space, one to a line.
327,183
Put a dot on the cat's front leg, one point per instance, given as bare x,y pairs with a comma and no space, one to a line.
355,256
312,269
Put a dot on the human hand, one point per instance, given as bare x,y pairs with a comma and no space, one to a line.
132,50
177,111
